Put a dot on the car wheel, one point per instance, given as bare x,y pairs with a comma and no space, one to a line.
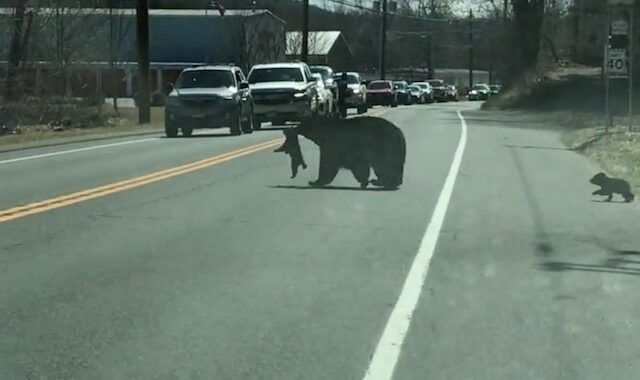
170,130
247,125
257,123
187,131
236,128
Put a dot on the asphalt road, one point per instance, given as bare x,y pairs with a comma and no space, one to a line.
232,270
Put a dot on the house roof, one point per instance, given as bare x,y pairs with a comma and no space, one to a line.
320,42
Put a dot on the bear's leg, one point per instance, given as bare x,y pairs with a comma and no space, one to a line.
361,171
328,170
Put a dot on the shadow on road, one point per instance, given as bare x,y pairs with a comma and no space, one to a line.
208,135
606,201
608,267
544,247
329,188
278,128
628,253
619,264
535,147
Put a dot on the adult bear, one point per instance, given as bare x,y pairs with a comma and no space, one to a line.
357,144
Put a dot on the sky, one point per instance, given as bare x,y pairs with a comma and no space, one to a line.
459,7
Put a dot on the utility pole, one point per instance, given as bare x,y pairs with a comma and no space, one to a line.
305,30
383,37
470,48
142,23
112,57
430,74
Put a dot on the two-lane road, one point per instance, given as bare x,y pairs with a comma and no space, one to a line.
201,259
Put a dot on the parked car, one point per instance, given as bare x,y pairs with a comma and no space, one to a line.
327,76
404,97
209,97
428,91
495,89
282,92
439,90
356,91
479,91
451,92
418,95
325,97
382,92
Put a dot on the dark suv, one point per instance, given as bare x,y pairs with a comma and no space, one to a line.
439,89
209,97
404,96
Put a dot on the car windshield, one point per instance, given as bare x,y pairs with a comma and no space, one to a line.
205,79
323,71
379,85
276,74
351,78
482,87
413,88
436,83
423,86
400,85
494,87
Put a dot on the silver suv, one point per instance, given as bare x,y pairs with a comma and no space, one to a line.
209,97
282,92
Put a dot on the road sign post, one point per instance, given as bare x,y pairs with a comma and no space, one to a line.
631,35
618,58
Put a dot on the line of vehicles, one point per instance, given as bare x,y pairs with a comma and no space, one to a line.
216,96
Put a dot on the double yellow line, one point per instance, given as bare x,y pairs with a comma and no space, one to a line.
85,195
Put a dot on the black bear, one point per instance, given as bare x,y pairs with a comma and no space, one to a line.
610,186
358,144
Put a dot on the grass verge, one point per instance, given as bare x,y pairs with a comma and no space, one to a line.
125,122
617,152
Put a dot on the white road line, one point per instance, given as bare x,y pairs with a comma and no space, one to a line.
387,352
59,153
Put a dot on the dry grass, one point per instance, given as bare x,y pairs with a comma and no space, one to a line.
131,115
618,151
124,122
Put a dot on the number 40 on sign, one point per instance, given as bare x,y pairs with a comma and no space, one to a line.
617,62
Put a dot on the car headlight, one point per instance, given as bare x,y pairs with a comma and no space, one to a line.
299,95
356,90
474,92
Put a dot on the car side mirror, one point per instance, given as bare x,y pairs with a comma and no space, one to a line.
244,85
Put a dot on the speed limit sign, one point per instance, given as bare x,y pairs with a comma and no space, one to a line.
617,62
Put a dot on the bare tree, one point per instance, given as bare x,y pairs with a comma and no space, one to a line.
16,48
294,43
528,18
259,40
